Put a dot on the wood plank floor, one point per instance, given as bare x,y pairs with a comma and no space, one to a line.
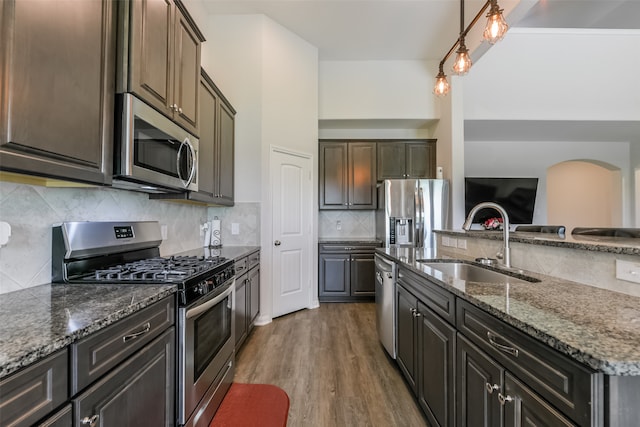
332,366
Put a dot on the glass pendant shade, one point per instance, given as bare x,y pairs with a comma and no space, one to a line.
462,63
442,85
496,25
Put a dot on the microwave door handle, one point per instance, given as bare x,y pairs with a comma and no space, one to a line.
194,163
187,144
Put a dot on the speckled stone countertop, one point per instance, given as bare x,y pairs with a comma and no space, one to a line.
231,252
350,240
596,327
38,321
615,245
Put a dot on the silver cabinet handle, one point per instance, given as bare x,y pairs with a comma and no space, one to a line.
277,243
415,312
146,328
504,399
90,421
492,387
503,348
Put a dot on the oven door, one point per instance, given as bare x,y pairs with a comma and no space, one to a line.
206,349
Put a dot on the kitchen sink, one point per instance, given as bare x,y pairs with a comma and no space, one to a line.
472,273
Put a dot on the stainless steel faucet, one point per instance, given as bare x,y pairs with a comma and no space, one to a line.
506,256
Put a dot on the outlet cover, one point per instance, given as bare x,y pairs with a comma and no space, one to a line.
235,228
462,243
628,270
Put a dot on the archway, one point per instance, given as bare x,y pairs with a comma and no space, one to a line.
584,193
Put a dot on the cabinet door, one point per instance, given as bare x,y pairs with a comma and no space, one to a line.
254,306
35,391
362,175
152,39
420,160
225,154
407,336
241,310
391,160
57,88
207,155
363,281
139,392
334,275
523,407
479,380
436,361
186,63
333,175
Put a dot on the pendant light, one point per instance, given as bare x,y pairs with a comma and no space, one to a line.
496,25
462,63
442,85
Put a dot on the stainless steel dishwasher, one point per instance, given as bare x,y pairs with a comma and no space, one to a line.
386,303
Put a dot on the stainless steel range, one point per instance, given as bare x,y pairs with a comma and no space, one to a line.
128,253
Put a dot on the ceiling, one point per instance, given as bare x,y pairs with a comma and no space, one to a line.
417,29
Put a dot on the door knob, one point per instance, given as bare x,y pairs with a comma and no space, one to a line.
277,243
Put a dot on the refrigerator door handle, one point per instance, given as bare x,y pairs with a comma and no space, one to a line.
419,219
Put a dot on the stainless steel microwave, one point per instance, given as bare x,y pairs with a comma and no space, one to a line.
153,154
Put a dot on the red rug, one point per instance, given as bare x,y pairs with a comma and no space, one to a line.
249,405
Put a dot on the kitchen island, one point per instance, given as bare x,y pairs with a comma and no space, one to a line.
558,347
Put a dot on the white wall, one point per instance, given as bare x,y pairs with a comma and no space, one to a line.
537,74
270,76
376,99
531,159
376,90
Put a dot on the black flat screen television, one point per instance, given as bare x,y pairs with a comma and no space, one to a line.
516,195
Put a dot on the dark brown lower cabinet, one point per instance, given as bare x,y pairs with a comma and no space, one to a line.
139,392
247,299
426,355
346,272
524,407
478,380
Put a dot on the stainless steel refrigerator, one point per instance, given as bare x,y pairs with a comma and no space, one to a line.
410,209
408,212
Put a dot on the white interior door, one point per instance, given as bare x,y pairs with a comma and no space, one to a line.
292,235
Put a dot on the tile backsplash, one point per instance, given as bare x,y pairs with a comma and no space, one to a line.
336,224
32,210
247,218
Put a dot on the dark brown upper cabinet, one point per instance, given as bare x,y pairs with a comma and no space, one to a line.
216,149
160,58
57,89
406,159
347,175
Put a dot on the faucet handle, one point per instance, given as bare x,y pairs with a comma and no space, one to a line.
499,255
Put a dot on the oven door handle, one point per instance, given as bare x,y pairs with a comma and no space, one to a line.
201,308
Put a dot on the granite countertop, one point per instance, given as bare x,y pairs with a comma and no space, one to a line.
38,321
615,245
596,327
231,252
350,240
41,320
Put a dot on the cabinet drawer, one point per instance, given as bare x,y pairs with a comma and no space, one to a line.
253,259
241,266
35,391
566,384
93,356
360,247
433,296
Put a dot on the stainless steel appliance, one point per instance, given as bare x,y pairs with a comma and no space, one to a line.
386,303
409,210
153,154
128,252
